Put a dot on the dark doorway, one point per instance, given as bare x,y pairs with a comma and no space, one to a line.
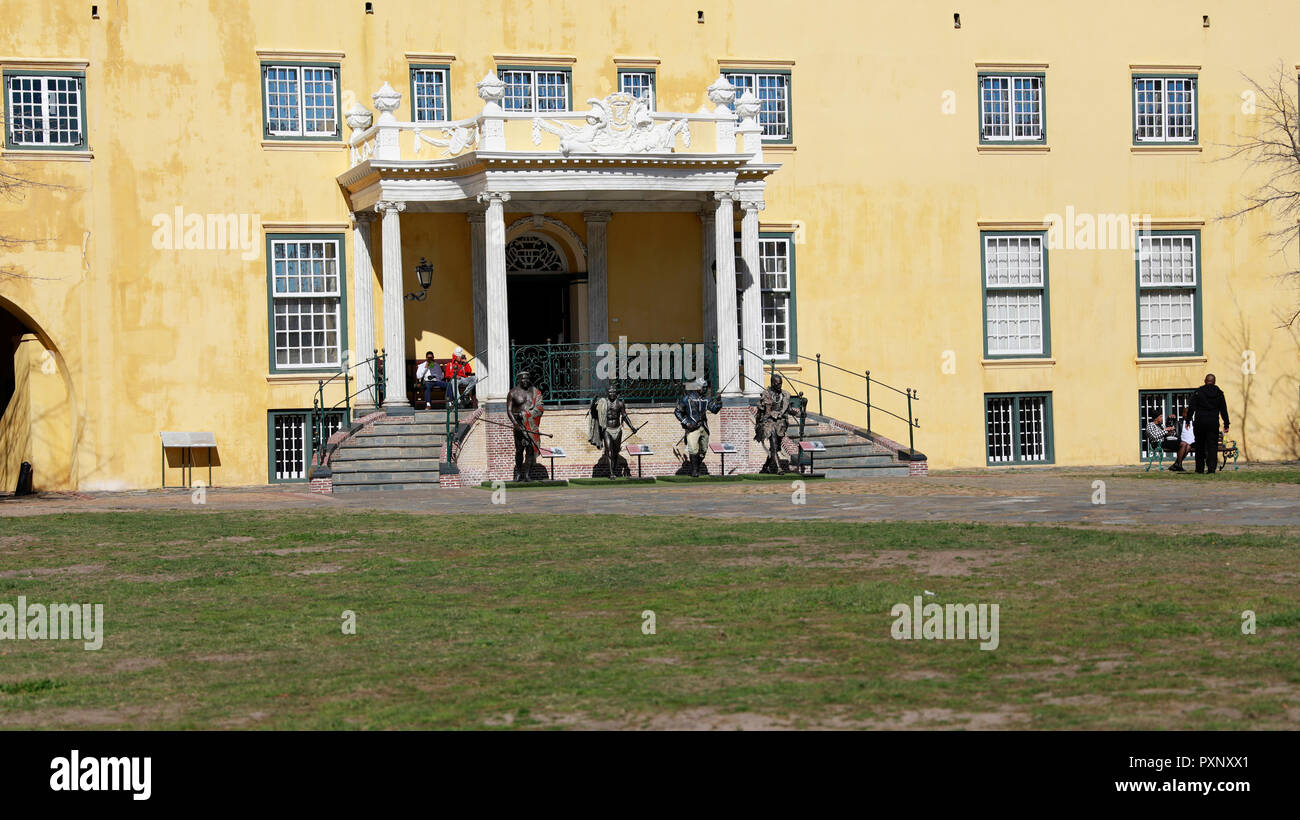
539,308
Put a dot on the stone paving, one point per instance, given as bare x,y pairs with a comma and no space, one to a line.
1061,496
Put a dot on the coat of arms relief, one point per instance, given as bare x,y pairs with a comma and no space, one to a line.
618,124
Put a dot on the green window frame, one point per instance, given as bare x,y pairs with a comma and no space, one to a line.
1018,429
775,90
1151,403
1161,246
304,295
1166,109
291,103
1017,294
1020,119
533,98
418,105
288,443
25,85
776,295
652,83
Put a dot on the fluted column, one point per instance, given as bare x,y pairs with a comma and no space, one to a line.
751,310
597,277
724,250
478,269
363,306
394,307
709,290
494,294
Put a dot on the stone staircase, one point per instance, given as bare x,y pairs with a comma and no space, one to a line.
848,455
397,453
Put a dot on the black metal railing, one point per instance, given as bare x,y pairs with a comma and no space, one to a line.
320,413
866,380
571,373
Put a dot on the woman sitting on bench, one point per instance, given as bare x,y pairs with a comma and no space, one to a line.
1168,440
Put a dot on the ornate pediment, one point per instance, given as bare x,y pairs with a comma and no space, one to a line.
618,124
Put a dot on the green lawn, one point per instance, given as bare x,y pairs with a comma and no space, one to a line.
233,619
1248,473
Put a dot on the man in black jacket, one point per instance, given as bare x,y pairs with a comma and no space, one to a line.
1203,412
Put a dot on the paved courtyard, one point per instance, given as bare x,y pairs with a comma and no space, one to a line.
1051,496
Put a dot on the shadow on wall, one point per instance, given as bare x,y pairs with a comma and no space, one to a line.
37,424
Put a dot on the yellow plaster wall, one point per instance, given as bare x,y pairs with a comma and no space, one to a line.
888,190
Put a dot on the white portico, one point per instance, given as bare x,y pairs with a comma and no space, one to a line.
618,157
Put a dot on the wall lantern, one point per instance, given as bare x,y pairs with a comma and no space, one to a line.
423,272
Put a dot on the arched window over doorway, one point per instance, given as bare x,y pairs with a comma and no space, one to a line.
532,252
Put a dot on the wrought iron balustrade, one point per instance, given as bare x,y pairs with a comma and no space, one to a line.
572,373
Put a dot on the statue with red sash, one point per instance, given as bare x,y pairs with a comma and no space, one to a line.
524,406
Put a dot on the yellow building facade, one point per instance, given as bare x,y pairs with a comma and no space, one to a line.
1015,215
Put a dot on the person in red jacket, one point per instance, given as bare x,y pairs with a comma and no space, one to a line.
458,372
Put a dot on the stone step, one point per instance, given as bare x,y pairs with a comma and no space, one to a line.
360,450
833,458
377,439
383,485
879,471
406,428
385,477
385,465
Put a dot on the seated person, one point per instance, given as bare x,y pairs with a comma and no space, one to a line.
1166,439
427,375
458,369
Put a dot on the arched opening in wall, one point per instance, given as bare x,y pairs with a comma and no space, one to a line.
539,278
37,422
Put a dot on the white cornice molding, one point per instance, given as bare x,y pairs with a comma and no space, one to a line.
1013,224
298,54
1162,67
735,62
305,227
637,62
535,59
1010,65
429,57
1161,223
44,63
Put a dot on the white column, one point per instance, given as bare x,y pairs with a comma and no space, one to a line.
478,268
363,306
394,307
597,277
494,291
724,249
751,312
709,290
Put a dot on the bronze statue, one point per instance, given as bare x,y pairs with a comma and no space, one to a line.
771,421
524,407
605,426
692,412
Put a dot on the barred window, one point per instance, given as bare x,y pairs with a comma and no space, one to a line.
45,111
429,94
1168,287
775,282
1018,428
1168,403
306,303
289,432
638,84
301,101
535,90
1164,109
1015,295
773,91
1011,108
